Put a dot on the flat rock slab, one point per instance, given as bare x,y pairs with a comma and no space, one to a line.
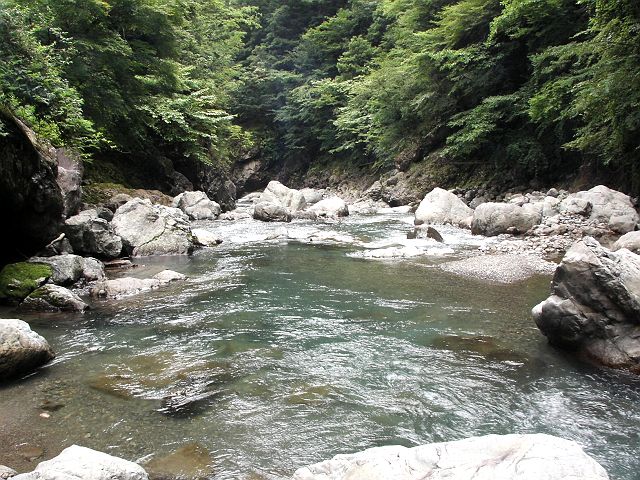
500,268
493,457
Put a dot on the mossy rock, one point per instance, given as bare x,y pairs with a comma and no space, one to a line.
18,280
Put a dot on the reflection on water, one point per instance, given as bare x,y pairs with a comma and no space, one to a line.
281,351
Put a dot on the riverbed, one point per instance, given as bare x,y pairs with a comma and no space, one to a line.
288,344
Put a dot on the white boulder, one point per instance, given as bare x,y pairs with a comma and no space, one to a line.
278,194
330,207
197,206
441,206
21,349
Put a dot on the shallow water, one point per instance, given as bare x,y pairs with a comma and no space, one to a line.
278,353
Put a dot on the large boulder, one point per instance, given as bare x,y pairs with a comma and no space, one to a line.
630,241
148,229
53,298
69,269
611,207
271,212
18,280
594,307
492,219
312,195
91,234
330,207
31,199
278,194
492,457
441,206
21,349
83,463
197,206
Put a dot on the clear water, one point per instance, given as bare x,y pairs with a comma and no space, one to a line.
276,354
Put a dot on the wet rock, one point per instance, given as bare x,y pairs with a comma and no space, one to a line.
126,286
536,456
426,231
30,452
330,207
270,212
148,229
492,219
21,349
197,206
480,344
78,462
507,268
205,238
595,305
91,234
53,298
280,195
441,206
18,280
189,462
630,241
6,472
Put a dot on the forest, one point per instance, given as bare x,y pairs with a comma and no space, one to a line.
515,89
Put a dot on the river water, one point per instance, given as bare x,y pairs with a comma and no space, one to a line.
278,353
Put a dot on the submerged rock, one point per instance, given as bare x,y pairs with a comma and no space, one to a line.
492,457
18,280
148,229
504,268
425,231
197,206
594,308
189,462
53,298
441,206
83,463
21,349
126,286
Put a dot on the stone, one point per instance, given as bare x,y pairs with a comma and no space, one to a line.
576,206
278,194
205,238
148,229
492,457
594,307
312,195
441,206
6,472
67,269
426,231
127,286
611,207
18,280
197,206
83,463
304,215
21,349
69,180
374,192
191,461
271,212
492,219
117,200
630,241
57,246
91,234
92,269
53,298
330,207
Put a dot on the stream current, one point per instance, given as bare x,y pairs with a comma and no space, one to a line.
286,346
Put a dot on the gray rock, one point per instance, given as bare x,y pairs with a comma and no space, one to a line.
330,207
92,269
271,212
197,206
374,192
630,241
594,307
492,219
6,472
148,229
611,207
69,180
576,206
90,234
477,201
305,215
278,194
67,269
553,192
53,298
205,238
118,200
426,231
312,195
21,349
441,206
126,286
76,463
492,457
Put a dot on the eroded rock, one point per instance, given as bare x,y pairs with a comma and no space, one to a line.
197,206
53,298
21,349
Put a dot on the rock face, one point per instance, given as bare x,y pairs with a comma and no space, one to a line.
53,298
197,206
441,206
595,305
148,229
492,219
30,197
18,280
70,180
126,286
330,207
21,349
611,207
277,194
90,234
630,241
271,212
79,462
493,457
